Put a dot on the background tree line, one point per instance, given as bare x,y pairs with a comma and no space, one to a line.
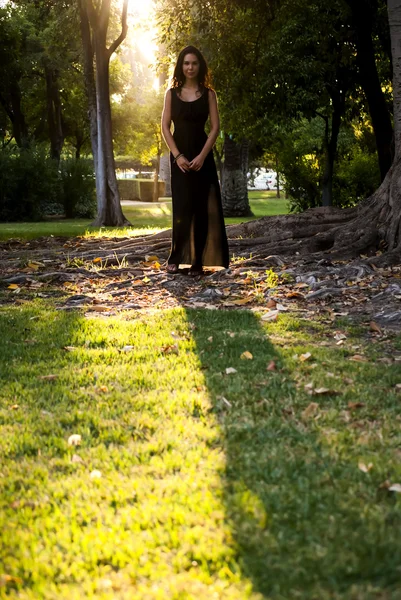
306,82
46,159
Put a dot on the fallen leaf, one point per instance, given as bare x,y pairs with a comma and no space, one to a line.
230,370
305,356
242,301
102,388
33,266
69,348
210,339
365,468
373,326
398,386
170,349
74,440
358,358
246,355
270,316
395,487
127,348
47,377
99,308
353,405
271,303
13,286
322,391
225,401
97,259
339,336
271,366
76,459
14,407
311,410
151,257
95,474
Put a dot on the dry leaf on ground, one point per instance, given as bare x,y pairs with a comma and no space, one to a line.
271,366
395,487
230,370
246,355
310,411
47,377
353,405
76,459
305,356
365,468
373,326
74,440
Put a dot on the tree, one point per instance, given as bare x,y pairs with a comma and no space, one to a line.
94,32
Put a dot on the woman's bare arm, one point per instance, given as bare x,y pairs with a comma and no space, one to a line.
182,162
198,161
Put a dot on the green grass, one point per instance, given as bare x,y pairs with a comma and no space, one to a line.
199,497
148,219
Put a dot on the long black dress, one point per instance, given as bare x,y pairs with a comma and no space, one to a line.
199,235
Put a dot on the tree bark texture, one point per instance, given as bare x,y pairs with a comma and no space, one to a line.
89,78
165,172
54,113
156,179
234,181
12,108
109,212
362,17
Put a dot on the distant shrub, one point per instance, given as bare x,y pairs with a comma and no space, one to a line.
33,186
78,188
357,178
28,181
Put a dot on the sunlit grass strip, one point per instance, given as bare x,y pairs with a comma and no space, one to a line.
190,482
123,232
154,519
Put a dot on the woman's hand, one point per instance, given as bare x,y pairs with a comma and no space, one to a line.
183,164
197,163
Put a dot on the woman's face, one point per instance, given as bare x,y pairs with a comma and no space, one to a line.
190,66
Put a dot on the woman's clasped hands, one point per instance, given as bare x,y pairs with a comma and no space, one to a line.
195,165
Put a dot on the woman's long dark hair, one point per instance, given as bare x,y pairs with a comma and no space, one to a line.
203,75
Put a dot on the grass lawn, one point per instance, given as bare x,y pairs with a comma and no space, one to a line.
152,218
190,483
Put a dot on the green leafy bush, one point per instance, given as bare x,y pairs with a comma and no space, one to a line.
33,186
78,188
29,181
357,178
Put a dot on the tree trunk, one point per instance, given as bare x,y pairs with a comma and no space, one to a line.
20,130
381,120
89,77
277,179
54,116
156,179
234,181
165,172
109,212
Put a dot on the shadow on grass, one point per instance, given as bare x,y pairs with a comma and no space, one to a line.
305,522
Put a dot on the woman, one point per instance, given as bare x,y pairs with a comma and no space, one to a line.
199,236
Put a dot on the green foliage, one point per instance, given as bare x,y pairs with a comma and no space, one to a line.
302,157
357,178
29,182
78,188
33,186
